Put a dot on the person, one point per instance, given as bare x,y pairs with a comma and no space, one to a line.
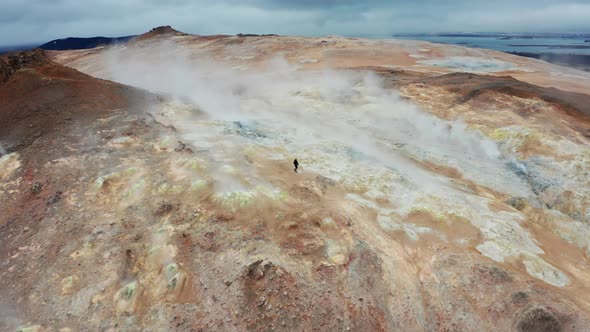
296,163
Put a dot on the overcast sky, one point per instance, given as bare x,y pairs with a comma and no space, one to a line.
36,21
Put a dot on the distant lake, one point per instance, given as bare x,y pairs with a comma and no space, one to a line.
6,49
533,45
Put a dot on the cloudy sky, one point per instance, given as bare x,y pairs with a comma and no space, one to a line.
36,21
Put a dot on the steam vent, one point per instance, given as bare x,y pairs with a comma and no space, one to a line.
148,185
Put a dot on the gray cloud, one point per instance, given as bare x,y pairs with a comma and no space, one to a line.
30,21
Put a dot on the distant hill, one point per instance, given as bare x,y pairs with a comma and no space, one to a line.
74,43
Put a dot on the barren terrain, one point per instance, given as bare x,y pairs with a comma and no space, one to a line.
149,186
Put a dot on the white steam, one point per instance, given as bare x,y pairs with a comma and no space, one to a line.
307,113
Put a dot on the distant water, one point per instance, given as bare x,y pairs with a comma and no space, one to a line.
556,45
6,49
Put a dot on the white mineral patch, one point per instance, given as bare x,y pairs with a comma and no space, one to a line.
328,222
393,66
473,64
506,238
8,164
387,224
492,250
245,57
122,141
412,230
540,269
308,60
335,252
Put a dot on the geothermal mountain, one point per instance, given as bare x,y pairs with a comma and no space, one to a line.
150,186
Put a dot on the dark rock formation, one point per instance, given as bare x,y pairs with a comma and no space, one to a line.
12,62
74,43
538,320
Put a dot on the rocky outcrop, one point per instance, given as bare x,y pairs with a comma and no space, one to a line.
12,62
538,319
160,31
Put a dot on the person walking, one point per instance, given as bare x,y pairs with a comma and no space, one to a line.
296,164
